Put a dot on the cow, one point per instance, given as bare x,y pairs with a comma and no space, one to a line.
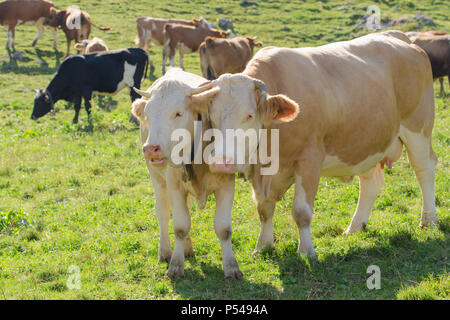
91,46
166,107
411,34
438,49
26,12
219,56
186,39
76,24
152,30
340,110
81,75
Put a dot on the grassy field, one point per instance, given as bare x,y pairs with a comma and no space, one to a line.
71,195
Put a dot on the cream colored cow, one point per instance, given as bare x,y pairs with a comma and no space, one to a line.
165,108
360,101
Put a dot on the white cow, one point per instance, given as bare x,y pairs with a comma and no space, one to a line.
166,107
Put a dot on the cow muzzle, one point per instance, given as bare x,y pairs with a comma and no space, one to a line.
153,154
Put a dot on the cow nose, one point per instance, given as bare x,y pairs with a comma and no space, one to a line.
151,150
221,164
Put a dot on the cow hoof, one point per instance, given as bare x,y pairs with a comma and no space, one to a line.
428,221
233,274
309,252
263,250
354,229
175,271
165,256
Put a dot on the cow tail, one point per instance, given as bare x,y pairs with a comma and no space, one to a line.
101,28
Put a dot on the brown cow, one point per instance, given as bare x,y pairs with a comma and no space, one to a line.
152,30
219,56
438,49
26,12
75,23
186,39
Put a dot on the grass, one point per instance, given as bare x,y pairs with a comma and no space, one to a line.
76,195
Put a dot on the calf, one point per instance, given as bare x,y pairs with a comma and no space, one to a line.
165,108
324,128
79,76
92,46
219,56
186,39
76,24
27,12
152,30
437,48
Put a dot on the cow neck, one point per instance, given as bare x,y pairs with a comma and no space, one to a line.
188,169
52,94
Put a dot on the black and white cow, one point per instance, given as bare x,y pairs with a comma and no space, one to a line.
81,75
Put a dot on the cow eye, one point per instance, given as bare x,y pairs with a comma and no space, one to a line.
178,114
250,117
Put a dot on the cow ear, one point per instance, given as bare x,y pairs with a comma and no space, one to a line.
278,109
137,108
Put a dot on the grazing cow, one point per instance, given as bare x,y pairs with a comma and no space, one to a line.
219,56
91,46
360,101
438,49
27,12
165,108
81,75
152,30
76,24
186,39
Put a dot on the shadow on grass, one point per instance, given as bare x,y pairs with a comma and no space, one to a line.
403,261
40,66
209,283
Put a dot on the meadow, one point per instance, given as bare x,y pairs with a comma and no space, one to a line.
78,197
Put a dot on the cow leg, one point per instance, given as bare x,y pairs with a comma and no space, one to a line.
87,104
181,227
77,110
266,210
41,30
11,37
55,38
222,226
68,47
163,213
369,186
180,59
165,55
441,80
307,177
423,161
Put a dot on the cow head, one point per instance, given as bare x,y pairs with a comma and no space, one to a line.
252,43
242,103
55,18
43,104
227,34
167,111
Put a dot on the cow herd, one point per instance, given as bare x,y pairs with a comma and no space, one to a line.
339,110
